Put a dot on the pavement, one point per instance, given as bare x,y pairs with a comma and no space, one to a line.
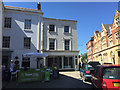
67,79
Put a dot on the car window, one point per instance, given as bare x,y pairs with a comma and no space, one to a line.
89,67
111,73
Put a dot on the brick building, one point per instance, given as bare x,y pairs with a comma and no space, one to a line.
106,43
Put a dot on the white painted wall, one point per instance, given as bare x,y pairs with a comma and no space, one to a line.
59,34
17,32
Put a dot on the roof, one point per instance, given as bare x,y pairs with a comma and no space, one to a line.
107,27
20,8
60,19
108,65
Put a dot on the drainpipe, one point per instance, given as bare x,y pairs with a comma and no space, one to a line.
42,37
38,35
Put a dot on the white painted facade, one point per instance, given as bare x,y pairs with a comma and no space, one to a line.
39,34
60,36
17,32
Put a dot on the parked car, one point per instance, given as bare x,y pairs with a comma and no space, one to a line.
85,70
106,76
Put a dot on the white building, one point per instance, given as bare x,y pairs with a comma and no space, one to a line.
26,30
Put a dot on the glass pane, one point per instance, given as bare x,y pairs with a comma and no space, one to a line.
66,28
65,62
111,73
70,62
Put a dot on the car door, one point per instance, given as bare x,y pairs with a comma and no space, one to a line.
95,77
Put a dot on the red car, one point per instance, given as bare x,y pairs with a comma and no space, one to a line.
106,77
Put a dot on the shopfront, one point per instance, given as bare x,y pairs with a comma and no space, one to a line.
62,62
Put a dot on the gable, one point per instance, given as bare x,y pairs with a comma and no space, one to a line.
113,24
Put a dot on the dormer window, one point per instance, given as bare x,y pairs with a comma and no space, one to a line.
27,24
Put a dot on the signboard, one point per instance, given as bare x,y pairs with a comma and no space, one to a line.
27,76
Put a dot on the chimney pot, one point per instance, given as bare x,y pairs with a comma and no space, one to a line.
39,6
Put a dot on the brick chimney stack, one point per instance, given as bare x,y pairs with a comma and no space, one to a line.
38,6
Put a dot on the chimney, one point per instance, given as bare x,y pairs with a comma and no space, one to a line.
38,6
91,37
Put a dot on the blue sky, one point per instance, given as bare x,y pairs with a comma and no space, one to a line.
90,15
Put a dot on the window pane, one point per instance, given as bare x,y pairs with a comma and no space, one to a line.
67,44
51,44
27,42
65,62
66,28
51,27
7,22
27,24
70,62
6,42
111,73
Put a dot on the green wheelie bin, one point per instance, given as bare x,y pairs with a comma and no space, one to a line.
47,76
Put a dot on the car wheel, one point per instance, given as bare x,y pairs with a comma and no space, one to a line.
93,87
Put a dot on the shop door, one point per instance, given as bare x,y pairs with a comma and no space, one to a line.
5,60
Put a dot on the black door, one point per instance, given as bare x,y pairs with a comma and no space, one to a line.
5,61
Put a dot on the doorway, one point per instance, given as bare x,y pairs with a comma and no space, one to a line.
5,61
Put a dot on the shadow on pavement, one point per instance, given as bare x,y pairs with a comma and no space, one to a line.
62,82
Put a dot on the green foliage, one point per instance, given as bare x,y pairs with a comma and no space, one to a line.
84,57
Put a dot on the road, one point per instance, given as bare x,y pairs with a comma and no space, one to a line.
69,79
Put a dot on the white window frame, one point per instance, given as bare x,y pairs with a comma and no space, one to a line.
67,45
54,43
7,22
54,28
27,26
6,42
70,29
27,45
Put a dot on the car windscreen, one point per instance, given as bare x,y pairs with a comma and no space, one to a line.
94,64
111,73
89,67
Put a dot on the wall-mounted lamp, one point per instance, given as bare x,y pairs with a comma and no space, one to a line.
12,61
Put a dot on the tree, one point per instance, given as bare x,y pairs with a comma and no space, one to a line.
84,58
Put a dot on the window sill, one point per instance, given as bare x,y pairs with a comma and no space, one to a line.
27,48
27,29
52,32
67,33
5,48
6,28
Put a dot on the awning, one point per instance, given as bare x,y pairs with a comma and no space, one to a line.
37,55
